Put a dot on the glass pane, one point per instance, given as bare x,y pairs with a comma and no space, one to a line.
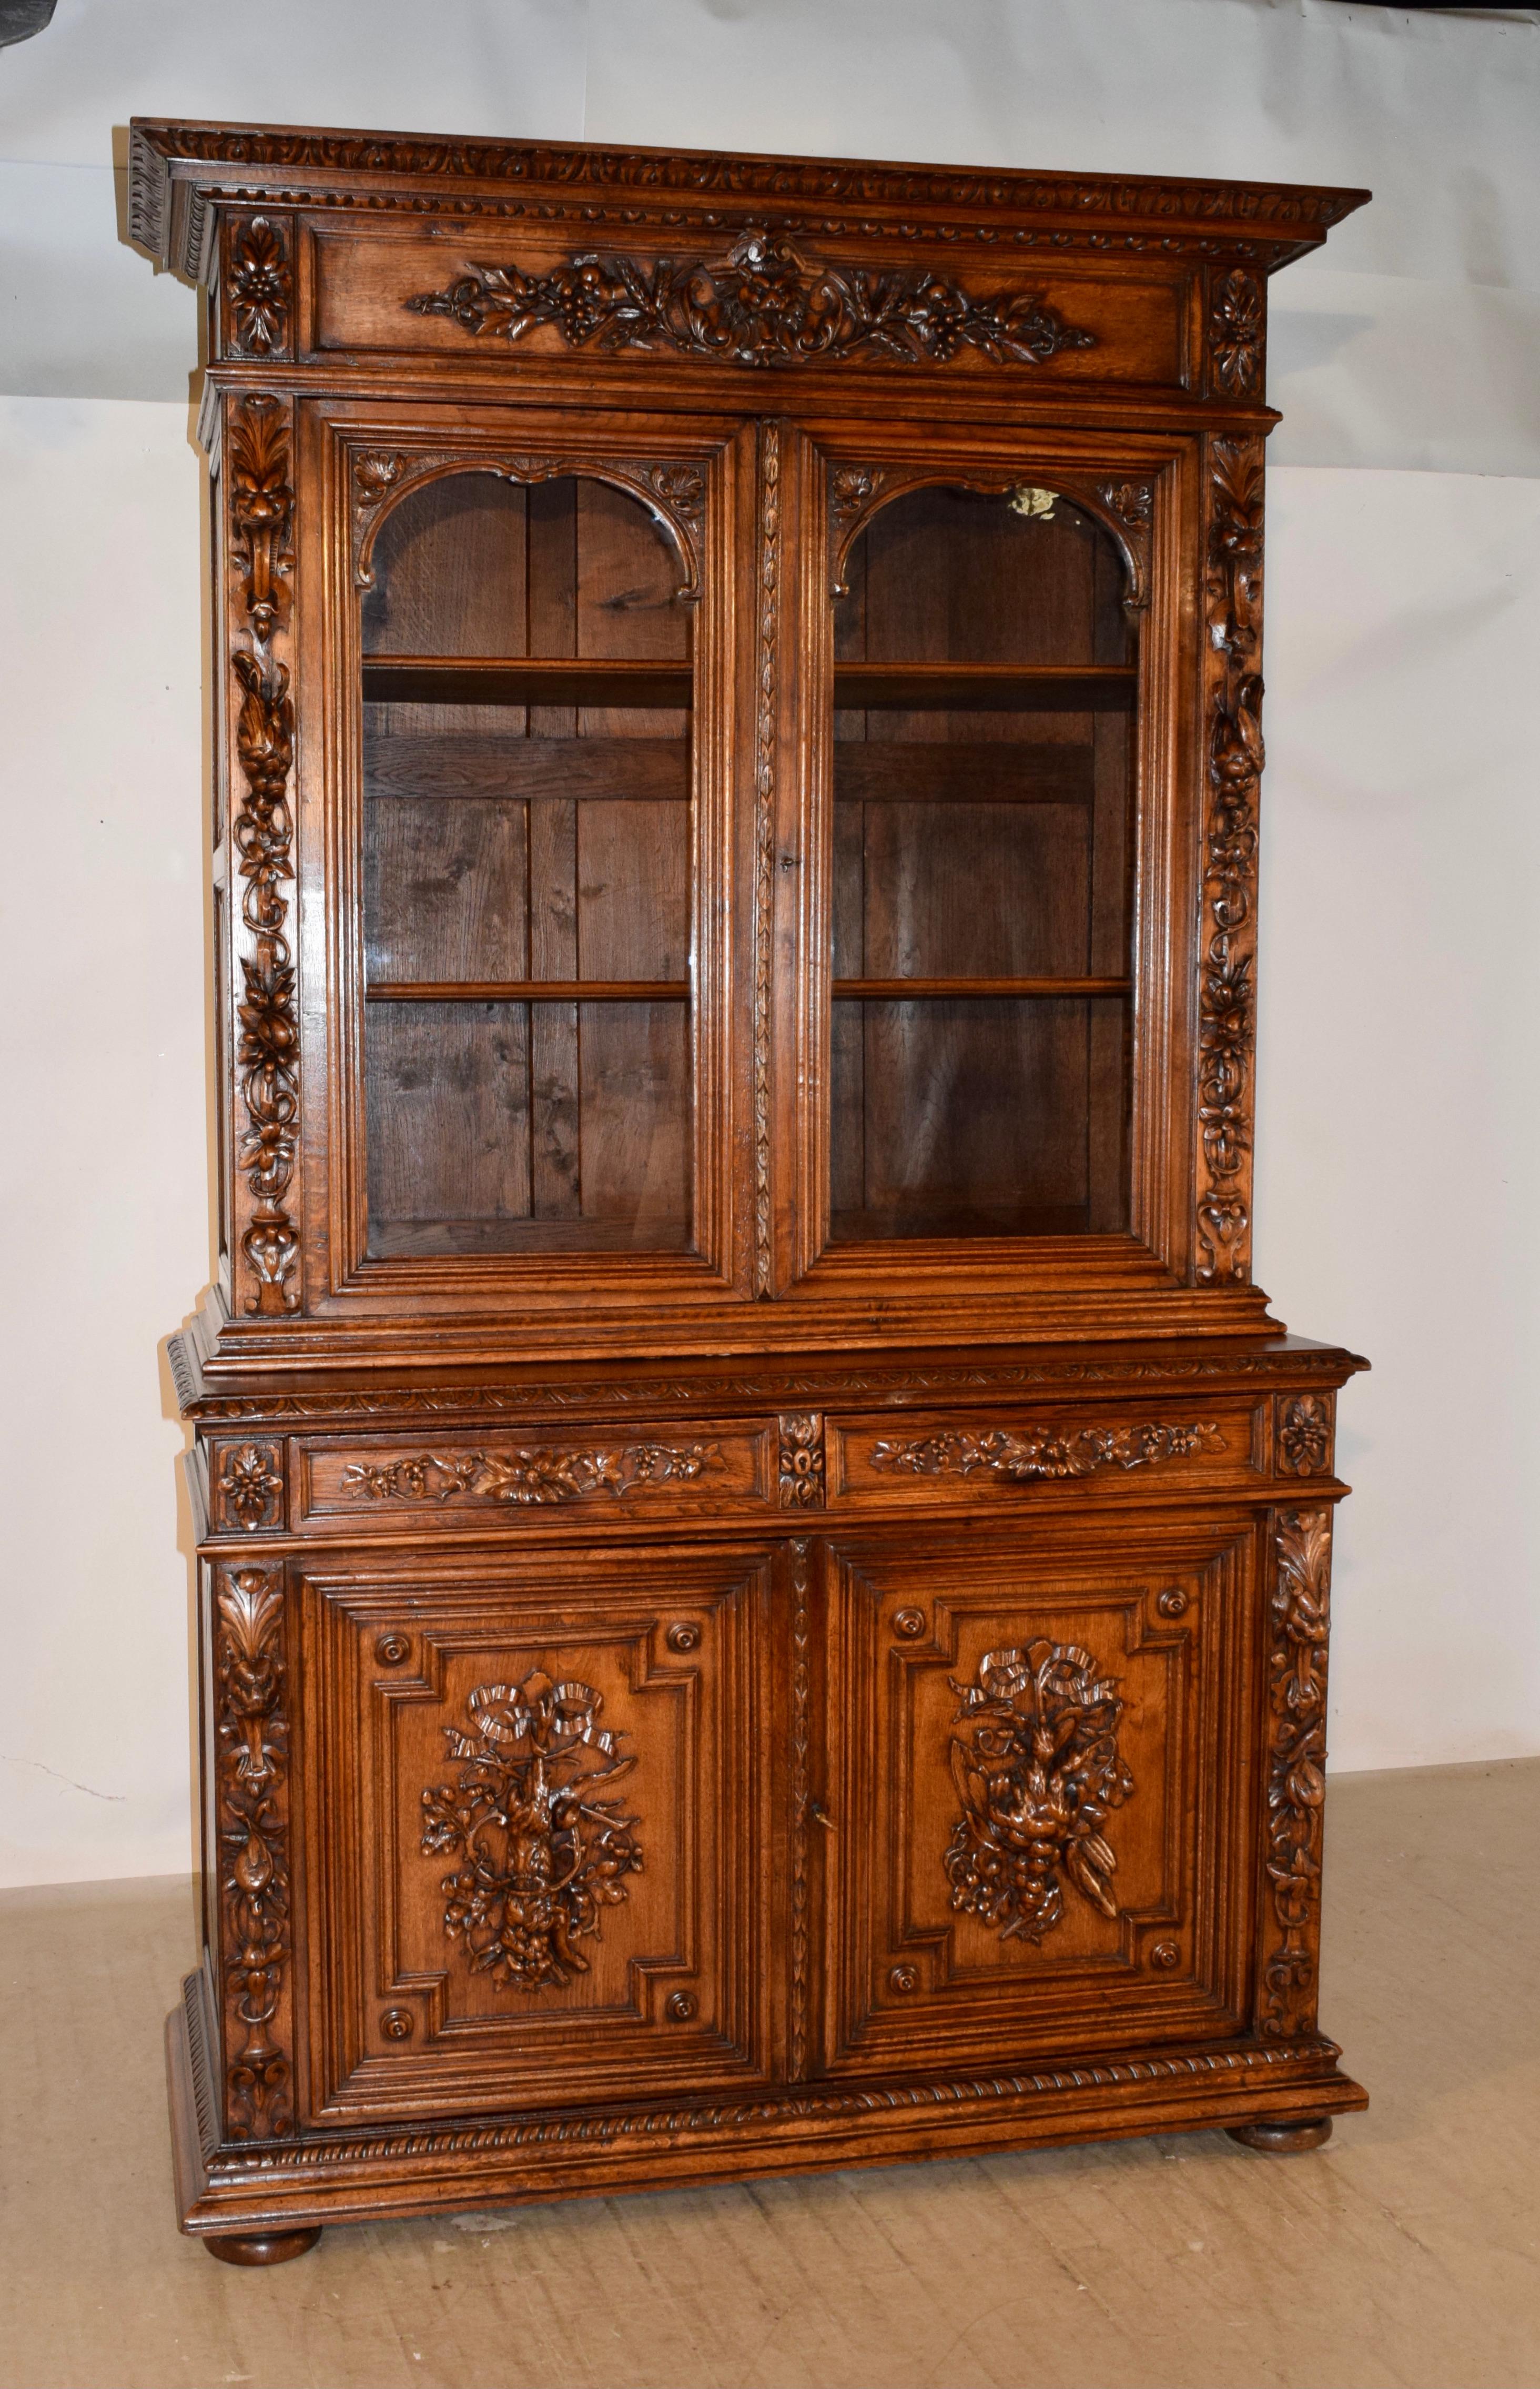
527,826
984,691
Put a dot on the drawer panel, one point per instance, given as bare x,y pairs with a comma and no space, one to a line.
501,1478
884,1462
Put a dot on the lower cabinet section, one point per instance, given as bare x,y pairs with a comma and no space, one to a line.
537,1841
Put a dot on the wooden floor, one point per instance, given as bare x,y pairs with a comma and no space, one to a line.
1407,2255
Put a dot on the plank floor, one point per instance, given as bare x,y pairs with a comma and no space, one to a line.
1407,2256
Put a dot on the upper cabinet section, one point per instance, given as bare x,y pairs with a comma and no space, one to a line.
494,255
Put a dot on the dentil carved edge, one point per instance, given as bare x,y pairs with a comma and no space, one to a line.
259,285
539,1474
1300,1618
761,304
1227,934
267,1057
1047,1451
251,1764
541,1853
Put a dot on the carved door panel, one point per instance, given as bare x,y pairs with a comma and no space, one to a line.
1038,1793
536,1841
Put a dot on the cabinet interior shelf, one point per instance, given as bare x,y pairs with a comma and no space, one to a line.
677,990
524,680
901,990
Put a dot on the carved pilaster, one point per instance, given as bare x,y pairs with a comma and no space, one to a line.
768,578
1300,1618
251,1762
1233,757
801,1802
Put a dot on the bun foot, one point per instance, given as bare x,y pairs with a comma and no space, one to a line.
1283,2136
260,2247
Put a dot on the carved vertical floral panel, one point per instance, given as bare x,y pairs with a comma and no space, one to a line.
251,1763
1233,757
801,1802
259,287
1296,1772
767,641
260,500
1237,329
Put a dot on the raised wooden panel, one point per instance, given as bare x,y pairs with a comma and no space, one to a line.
536,1849
605,1475
1039,1793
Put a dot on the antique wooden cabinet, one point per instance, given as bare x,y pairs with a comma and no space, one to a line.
764,1564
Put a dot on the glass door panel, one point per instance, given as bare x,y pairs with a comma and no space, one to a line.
984,687
527,689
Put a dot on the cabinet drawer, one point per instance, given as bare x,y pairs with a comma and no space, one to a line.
500,1479
878,1462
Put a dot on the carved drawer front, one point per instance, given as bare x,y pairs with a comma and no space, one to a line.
535,1842
962,1457
1039,1795
476,1480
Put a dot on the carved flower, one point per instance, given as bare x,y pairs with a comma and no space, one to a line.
1304,1439
260,286
248,1484
1235,335
270,1032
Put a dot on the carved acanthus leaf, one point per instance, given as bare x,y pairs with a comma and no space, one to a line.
1035,1763
1048,1452
251,1770
540,1852
538,1474
760,305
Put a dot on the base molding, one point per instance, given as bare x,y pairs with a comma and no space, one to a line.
258,2188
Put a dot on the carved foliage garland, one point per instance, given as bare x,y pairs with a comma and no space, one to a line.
541,1853
251,1765
764,839
1296,1771
541,1474
760,305
1050,1452
1226,995
258,284
1035,1763
267,1057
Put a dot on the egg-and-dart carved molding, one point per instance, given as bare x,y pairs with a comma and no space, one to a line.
1236,327
1227,1028
259,287
1125,507
673,492
267,1055
251,1767
761,304
1052,1452
539,1474
637,1392
1303,1435
248,1485
1300,1620
1035,1760
1313,2056
542,1854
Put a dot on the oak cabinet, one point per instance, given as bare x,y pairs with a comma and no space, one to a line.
764,1563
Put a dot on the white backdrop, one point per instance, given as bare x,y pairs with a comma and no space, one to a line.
1399,1172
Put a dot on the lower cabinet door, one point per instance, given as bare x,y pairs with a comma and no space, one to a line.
535,1821
1041,1804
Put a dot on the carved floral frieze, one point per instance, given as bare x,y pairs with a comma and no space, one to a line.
539,1473
761,304
1035,1763
1047,1451
541,1851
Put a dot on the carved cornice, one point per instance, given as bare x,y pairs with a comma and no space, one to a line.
260,504
763,304
251,1792
541,1474
1047,1451
1227,1031
1300,1617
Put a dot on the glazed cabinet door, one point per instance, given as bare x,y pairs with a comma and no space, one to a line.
535,1831
1039,1793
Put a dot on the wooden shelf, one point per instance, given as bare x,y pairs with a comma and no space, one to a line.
530,990
985,688
901,990
522,680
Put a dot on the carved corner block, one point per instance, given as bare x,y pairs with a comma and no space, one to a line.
257,286
1303,1434
246,1486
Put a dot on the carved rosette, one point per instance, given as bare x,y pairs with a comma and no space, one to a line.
260,504
1300,1620
540,1473
259,287
246,1481
799,1467
1227,934
1047,1451
1304,1426
1237,328
541,1852
761,304
1035,1759
252,1814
